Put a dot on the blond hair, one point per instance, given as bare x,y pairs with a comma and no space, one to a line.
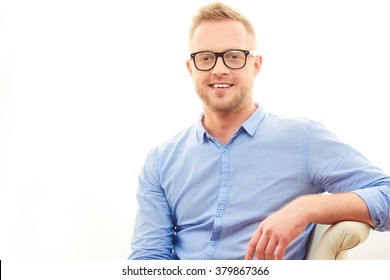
216,12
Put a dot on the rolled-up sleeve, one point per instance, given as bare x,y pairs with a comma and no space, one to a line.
378,200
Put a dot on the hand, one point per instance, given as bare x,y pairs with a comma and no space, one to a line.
276,232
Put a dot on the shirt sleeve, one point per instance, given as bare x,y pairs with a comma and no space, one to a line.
153,227
334,166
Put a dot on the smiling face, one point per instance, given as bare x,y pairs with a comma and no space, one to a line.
222,89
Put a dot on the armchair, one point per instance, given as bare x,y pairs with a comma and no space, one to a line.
332,242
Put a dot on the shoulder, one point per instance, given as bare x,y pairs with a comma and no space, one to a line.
293,129
288,124
177,141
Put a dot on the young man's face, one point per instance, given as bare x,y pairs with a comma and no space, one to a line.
222,89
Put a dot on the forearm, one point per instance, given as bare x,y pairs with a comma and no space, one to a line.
277,231
330,209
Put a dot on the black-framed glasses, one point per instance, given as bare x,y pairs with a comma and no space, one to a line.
233,59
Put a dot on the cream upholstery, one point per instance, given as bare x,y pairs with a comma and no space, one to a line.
333,242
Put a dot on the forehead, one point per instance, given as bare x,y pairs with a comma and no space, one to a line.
219,36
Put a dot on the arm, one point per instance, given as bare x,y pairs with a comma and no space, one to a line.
334,167
277,231
153,228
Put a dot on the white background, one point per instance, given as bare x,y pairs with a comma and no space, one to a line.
87,88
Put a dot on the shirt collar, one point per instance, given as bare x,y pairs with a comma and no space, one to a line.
200,130
250,125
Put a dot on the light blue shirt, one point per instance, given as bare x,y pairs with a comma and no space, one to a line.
199,199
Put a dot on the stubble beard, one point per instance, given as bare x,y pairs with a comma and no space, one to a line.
218,105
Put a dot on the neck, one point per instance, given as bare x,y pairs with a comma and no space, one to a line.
222,126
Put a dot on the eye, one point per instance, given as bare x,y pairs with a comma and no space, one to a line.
205,57
231,56
234,55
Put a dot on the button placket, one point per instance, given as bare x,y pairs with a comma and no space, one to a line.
222,201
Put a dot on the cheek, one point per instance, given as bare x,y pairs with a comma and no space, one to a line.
250,75
199,78
246,81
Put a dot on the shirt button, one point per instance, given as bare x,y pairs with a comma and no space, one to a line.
219,215
224,184
212,243
225,151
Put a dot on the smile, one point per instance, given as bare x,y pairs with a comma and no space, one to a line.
221,85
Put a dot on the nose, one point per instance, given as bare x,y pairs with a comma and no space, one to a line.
220,68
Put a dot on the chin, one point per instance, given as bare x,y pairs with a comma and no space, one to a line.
224,108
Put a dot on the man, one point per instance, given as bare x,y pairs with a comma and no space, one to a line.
241,183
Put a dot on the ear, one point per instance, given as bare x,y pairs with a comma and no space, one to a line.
189,66
258,62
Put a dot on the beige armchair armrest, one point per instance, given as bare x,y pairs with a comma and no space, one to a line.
333,242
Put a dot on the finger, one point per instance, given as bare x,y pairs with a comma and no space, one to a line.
250,252
269,251
280,250
260,248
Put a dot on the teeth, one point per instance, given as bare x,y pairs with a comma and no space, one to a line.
220,85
